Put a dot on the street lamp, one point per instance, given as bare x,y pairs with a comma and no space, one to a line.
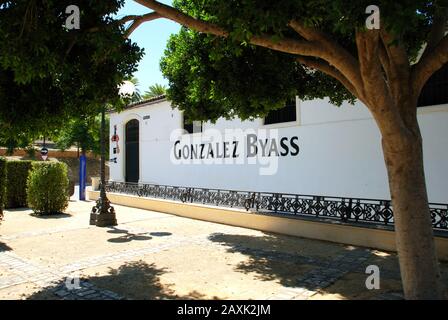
103,214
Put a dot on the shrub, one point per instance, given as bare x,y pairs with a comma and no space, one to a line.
47,187
2,185
16,178
31,152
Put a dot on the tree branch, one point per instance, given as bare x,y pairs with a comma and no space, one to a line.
138,20
438,29
370,66
429,64
326,68
173,14
381,103
435,55
128,18
287,45
398,73
333,53
315,44
384,59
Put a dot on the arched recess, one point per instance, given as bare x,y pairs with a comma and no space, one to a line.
132,151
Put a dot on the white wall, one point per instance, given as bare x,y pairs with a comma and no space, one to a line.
340,153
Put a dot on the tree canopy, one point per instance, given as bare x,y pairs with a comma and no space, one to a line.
233,75
211,78
48,72
83,132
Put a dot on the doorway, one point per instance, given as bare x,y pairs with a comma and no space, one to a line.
132,150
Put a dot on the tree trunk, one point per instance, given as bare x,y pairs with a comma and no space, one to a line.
419,265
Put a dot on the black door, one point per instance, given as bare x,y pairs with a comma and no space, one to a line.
132,151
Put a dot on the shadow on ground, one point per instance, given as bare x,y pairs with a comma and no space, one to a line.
266,259
51,216
140,280
134,280
4,247
127,236
339,273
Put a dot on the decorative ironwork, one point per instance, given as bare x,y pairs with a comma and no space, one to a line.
350,210
103,214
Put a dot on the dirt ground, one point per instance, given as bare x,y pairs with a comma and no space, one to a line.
152,255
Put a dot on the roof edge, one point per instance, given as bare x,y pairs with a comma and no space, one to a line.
146,102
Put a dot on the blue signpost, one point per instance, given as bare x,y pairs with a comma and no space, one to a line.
82,177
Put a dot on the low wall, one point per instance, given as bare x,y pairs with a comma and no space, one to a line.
327,231
52,153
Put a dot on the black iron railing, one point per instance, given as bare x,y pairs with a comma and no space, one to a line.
350,210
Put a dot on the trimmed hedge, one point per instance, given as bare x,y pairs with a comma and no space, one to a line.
47,187
16,178
2,185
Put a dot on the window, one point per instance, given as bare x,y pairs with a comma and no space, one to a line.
192,127
436,89
286,114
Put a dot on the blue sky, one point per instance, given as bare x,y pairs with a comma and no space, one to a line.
151,36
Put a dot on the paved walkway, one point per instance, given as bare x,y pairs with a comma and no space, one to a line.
151,255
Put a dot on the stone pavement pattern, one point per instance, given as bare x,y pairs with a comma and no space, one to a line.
151,255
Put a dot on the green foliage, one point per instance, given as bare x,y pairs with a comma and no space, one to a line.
83,132
2,185
11,139
47,187
31,152
154,91
16,180
340,18
210,77
49,73
209,80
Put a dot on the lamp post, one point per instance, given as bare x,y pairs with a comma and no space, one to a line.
103,214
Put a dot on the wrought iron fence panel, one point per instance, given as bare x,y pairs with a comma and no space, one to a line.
351,210
439,216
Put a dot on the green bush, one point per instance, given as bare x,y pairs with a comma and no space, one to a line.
2,185
47,187
16,178
31,152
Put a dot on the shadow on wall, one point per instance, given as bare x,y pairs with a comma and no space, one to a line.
134,280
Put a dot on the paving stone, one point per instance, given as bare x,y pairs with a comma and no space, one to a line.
62,293
326,272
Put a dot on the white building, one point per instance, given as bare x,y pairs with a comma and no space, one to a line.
319,149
